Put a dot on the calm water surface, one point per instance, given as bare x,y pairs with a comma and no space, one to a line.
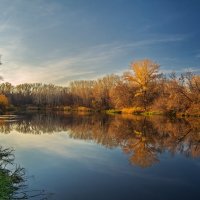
100,157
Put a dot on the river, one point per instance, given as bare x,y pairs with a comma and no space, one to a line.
116,157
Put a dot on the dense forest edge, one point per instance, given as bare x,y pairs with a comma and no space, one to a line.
141,90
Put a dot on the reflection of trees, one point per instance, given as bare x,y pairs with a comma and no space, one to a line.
142,138
142,149
140,141
180,135
12,181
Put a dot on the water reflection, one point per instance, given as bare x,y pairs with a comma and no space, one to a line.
13,179
142,138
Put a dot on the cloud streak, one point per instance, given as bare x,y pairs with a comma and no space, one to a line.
87,64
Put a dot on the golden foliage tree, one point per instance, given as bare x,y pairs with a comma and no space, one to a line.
145,73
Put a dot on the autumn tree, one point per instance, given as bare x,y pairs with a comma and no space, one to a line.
145,73
82,92
121,96
189,84
3,102
101,91
179,94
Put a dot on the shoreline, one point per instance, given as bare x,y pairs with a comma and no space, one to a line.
81,109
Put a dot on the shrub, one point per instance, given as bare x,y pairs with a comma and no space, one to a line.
84,109
3,102
133,110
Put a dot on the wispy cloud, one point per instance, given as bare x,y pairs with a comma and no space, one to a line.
87,64
182,70
158,40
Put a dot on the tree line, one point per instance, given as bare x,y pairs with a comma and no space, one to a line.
142,88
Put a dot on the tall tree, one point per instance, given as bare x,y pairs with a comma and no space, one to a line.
145,73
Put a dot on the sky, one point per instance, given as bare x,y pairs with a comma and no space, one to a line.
57,41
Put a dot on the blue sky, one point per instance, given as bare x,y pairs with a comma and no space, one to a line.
56,41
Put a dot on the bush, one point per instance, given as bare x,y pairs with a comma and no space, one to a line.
3,102
112,111
84,109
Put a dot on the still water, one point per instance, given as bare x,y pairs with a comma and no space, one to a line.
119,157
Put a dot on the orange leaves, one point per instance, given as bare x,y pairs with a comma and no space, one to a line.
144,77
3,102
145,71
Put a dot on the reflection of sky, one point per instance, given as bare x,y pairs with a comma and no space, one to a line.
77,169
62,40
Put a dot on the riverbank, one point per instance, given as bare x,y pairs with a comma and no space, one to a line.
137,111
82,109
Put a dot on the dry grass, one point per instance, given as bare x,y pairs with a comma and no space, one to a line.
83,109
133,110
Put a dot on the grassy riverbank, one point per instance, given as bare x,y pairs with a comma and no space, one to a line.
139,111
82,109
